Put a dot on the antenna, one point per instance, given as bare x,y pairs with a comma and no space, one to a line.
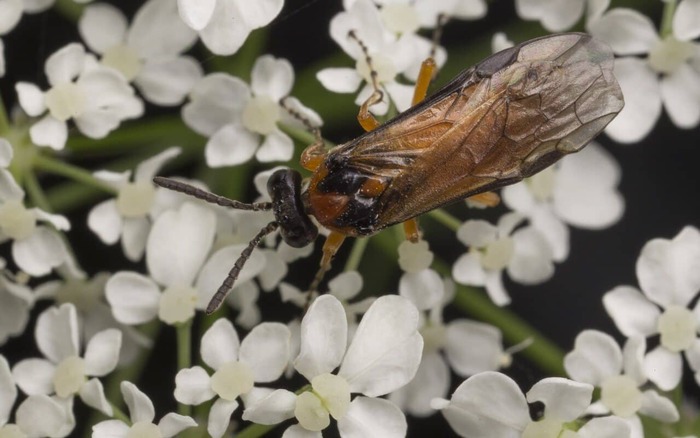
226,286
188,189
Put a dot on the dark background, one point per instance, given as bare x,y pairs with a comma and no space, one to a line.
659,182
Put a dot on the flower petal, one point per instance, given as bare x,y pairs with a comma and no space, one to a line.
102,26
65,64
664,368
339,80
380,416
669,270
632,312
231,145
40,415
266,350
272,77
259,13
277,146
385,352
425,289
56,332
196,13
102,352
563,399
468,270
227,29
640,87
140,406
595,357
432,380
134,298
49,132
324,333
220,417
219,344
628,32
193,386
157,30
166,81
686,20
31,98
473,347
105,221
486,405
179,243
274,407
680,93
34,376
134,237
92,394
215,101
172,424
659,407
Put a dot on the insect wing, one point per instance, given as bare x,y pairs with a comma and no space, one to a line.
505,119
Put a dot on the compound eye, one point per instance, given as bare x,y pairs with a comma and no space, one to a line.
296,227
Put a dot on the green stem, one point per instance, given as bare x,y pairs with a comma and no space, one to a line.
69,9
4,120
118,414
75,173
184,356
666,28
446,219
358,249
255,431
35,192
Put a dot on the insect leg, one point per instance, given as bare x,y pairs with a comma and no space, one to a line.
315,153
487,199
366,119
330,247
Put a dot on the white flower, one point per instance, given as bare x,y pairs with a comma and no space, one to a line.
142,413
390,55
147,53
260,358
467,347
524,253
491,404
97,98
35,248
668,76
669,277
16,300
599,361
37,415
64,372
94,314
129,216
383,356
241,121
559,15
224,25
177,248
581,191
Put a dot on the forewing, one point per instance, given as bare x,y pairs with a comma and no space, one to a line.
516,115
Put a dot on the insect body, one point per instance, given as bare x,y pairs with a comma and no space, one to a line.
508,117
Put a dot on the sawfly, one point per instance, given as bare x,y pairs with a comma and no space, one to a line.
502,120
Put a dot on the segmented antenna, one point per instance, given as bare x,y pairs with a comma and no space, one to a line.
179,186
226,286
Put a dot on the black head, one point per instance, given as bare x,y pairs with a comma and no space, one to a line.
284,187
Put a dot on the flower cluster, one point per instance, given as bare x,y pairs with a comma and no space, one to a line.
104,260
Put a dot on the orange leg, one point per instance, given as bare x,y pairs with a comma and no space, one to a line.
330,248
313,156
411,230
486,199
427,71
